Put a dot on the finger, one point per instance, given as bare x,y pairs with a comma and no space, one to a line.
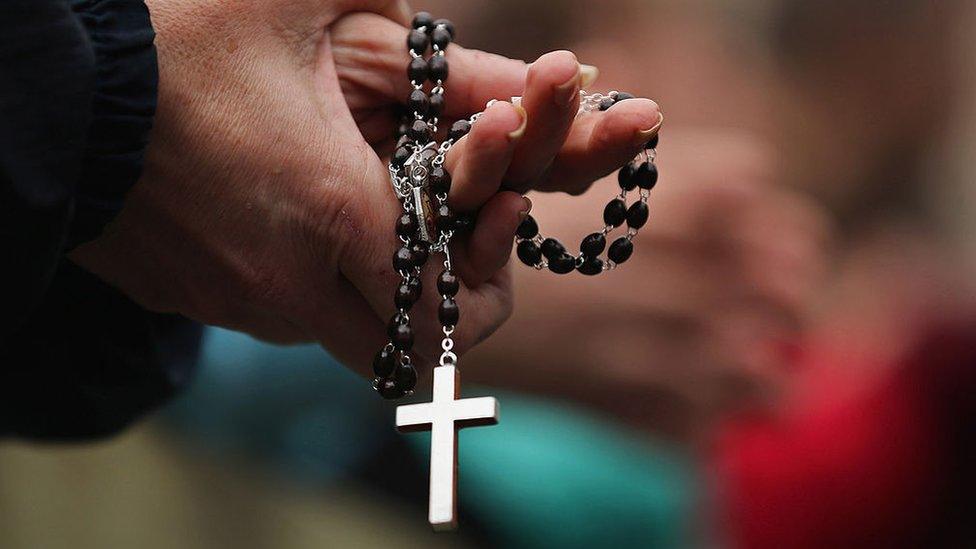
489,247
478,161
551,100
600,143
370,52
396,10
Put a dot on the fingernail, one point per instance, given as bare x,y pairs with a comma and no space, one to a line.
588,75
526,209
517,134
567,91
643,136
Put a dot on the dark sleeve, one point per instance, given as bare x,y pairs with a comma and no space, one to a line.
78,85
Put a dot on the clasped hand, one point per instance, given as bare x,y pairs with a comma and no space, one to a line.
265,204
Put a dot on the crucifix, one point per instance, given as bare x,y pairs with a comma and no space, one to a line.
443,416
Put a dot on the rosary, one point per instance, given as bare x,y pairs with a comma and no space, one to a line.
427,226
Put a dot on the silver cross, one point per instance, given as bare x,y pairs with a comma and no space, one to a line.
443,416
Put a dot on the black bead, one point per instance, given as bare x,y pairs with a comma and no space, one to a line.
637,215
528,228
623,96
445,219
406,225
463,223
646,176
384,363
591,266
404,260
417,70
448,26
437,68
401,130
448,284
562,264
423,19
440,180
402,337
419,132
421,253
440,37
529,253
417,41
449,313
405,377
405,297
552,249
593,245
436,104
620,250
459,129
418,102
625,177
606,103
652,144
401,155
615,212
417,286
388,389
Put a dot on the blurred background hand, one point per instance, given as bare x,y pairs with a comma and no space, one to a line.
699,320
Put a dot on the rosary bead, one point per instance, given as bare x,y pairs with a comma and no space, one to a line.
447,25
417,286
384,363
404,260
405,377
620,250
637,214
646,176
528,228
449,312
402,337
448,284
528,252
423,19
388,389
552,248
421,253
591,266
623,96
437,68
562,264
436,105
439,180
419,132
593,245
405,297
401,155
463,223
625,177
417,41
606,103
440,37
417,70
652,144
418,102
459,129
445,219
615,213
406,225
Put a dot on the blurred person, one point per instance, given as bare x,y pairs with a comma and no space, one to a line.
234,179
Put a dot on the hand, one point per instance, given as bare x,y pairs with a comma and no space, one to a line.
695,322
264,205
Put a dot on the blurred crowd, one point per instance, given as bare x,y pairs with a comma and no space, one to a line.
787,361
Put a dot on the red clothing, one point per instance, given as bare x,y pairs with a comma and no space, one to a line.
889,466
